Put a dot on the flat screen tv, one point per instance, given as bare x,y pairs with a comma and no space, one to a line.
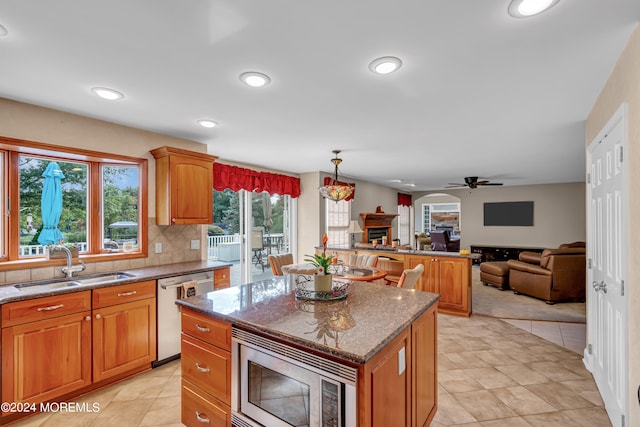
508,214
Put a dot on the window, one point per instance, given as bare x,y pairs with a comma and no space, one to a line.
338,216
404,224
102,202
441,216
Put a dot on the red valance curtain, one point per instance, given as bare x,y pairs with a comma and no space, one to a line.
236,178
404,199
329,181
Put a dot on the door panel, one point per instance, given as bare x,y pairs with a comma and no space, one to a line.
607,246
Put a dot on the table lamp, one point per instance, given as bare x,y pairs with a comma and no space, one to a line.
354,228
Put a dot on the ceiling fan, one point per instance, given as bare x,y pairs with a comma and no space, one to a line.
472,182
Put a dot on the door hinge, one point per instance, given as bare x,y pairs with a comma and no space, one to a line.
589,264
623,420
589,348
621,154
589,178
622,287
8,206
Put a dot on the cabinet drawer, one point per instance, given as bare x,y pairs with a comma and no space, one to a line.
198,409
213,331
207,367
221,278
113,295
19,312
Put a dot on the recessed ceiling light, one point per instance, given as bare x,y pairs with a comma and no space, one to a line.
255,79
526,8
206,123
385,65
3,31
107,93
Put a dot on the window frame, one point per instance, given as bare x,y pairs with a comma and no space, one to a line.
13,148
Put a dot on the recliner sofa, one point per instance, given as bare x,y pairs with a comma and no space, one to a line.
554,275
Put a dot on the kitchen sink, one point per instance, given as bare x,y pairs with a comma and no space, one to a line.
102,278
93,279
39,286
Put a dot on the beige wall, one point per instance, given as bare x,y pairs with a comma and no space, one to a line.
24,121
624,86
558,214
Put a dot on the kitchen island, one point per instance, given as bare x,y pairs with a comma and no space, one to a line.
386,335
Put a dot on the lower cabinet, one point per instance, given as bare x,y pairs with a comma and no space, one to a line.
55,346
46,358
398,386
206,370
221,278
448,276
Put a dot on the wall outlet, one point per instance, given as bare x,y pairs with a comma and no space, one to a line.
195,244
158,248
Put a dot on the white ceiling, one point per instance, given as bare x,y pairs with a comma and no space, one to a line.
480,93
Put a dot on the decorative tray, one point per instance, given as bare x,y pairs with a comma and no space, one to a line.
304,290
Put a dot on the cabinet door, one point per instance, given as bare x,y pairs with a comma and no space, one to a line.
424,356
199,409
221,278
207,367
429,280
451,283
46,359
124,338
191,190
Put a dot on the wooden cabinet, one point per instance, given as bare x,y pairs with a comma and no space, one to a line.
398,386
46,347
206,370
448,276
221,278
184,186
124,329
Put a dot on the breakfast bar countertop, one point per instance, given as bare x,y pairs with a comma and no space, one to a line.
353,329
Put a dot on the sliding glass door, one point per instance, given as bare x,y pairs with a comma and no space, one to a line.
247,228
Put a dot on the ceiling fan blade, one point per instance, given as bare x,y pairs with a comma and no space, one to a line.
456,184
483,182
490,183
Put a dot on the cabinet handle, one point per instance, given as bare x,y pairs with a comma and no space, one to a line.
202,419
51,307
201,369
98,316
202,328
87,318
173,220
127,294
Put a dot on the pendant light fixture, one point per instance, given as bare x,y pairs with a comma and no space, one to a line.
334,190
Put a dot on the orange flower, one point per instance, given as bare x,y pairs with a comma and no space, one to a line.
325,239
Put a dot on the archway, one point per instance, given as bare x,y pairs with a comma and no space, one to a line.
438,211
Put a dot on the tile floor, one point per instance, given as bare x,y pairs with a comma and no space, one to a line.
491,373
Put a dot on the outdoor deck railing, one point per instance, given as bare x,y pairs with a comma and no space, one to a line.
215,241
38,250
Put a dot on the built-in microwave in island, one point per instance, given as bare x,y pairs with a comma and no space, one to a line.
277,385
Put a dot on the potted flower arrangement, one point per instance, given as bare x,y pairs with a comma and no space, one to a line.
322,279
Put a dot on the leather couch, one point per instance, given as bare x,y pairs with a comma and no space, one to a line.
553,275
441,241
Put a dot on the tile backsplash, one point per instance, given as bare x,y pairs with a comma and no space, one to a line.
176,247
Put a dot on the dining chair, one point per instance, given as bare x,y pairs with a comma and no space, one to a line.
278,261
257,246
409,278
361,260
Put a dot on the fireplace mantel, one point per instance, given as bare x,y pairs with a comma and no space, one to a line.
377,224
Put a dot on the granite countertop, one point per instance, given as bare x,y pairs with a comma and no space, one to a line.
9,293
353,329
406,252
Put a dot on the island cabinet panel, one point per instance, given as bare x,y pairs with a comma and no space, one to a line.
184,182
448,276
384,386
424,362
221,278
206,370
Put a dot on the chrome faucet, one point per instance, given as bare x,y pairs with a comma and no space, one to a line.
69,269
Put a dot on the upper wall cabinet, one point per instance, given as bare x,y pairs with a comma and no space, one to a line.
184,186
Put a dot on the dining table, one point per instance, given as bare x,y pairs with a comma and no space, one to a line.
340,271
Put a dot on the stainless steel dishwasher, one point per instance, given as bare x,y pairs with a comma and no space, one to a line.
169,289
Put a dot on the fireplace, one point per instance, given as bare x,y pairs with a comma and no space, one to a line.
377,225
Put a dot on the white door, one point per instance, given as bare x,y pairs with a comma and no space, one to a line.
606,353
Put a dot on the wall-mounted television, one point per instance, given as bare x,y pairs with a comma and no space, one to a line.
508,214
